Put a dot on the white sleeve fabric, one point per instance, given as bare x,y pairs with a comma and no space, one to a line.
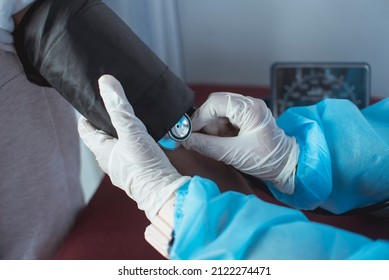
7,26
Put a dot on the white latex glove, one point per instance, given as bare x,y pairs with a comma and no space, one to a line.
134,161
260,148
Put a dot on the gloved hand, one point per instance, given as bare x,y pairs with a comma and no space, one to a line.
260,148
134,161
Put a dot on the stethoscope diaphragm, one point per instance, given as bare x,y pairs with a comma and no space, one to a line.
178,133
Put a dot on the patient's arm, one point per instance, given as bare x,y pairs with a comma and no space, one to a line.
192,163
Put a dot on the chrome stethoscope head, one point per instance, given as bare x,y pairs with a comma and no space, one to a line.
177,134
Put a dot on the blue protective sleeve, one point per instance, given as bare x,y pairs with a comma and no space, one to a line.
344,155
210,225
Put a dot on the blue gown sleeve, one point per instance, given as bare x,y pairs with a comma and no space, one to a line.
211,225
344,155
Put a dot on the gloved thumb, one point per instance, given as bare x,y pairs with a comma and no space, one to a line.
113,94
119,109
99,142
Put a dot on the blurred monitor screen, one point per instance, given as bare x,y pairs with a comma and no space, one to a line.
302,84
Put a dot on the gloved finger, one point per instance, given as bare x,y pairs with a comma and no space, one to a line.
119,109
218,148
243,112
221,127
99,142
211,110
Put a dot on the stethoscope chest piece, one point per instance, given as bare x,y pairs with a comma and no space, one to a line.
180,132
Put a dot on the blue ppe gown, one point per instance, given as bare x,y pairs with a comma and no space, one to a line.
344,155
213,226
343,158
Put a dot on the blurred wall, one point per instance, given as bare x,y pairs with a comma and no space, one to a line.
236,41
156,23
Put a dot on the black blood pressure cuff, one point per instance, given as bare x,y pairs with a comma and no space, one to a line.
69,44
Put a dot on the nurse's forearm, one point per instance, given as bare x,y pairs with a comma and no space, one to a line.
210,225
